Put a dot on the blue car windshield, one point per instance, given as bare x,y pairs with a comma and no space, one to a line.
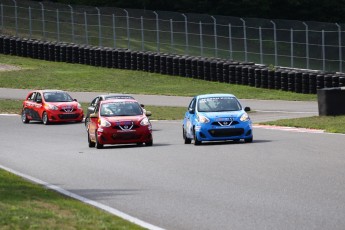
125,108
218,104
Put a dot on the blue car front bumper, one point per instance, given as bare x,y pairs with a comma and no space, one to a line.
208,132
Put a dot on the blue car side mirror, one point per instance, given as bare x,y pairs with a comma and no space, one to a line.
247,109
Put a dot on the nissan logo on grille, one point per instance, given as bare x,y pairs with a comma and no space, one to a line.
228,122
67,109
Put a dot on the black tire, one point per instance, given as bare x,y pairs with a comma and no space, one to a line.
196,141
87,121
248,140
24,117
91,144
149,143
45,118
186,139
98,145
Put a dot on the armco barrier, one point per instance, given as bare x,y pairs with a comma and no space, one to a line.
209,69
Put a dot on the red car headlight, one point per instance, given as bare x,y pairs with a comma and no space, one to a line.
104,123
51,107
145,122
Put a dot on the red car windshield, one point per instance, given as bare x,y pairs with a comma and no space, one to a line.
123,108
57,97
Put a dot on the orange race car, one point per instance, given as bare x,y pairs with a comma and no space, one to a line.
51,106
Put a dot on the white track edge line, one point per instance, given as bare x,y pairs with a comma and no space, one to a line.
85,200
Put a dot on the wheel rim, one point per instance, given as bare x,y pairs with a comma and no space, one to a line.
23,116
45,118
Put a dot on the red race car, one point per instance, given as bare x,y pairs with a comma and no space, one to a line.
119,121
51,106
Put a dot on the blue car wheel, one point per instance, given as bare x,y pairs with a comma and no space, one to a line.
186,139
196,140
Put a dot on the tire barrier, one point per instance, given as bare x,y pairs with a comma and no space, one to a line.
335,81
121,59
342,81
264,78
200,69
284,81
103,57
134,61
175,69
115,58
151,62
257,77
312,83
245,75
18,50
232,74
213,70
277,79
57,50
188,67
291,81
209,69
169,65
98,57
69,55
305,83
145,62
163,64
157,63
127,59
7,45
24,47
63,52
251,76
194,67
2,44
328,81
298,82
320,81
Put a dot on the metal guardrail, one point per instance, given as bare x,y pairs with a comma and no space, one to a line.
295,44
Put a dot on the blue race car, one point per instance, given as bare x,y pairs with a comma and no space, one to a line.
216,117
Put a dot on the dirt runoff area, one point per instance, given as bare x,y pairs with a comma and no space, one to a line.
5,67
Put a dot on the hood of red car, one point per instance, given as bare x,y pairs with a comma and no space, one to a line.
123,119
64,104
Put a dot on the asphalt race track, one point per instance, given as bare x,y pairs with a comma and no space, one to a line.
285,179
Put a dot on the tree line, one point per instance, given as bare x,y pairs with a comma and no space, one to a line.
303,10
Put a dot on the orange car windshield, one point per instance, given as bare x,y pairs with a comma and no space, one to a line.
57,97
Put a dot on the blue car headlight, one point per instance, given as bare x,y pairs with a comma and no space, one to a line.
202,119
245,117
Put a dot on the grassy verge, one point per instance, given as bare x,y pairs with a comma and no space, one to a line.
25,205
39,74
331,124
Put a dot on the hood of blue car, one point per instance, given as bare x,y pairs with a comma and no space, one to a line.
227,114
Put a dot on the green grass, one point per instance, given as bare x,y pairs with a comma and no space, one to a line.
38,74
331,124
24,205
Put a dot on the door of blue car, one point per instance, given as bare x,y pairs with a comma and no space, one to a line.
189,119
